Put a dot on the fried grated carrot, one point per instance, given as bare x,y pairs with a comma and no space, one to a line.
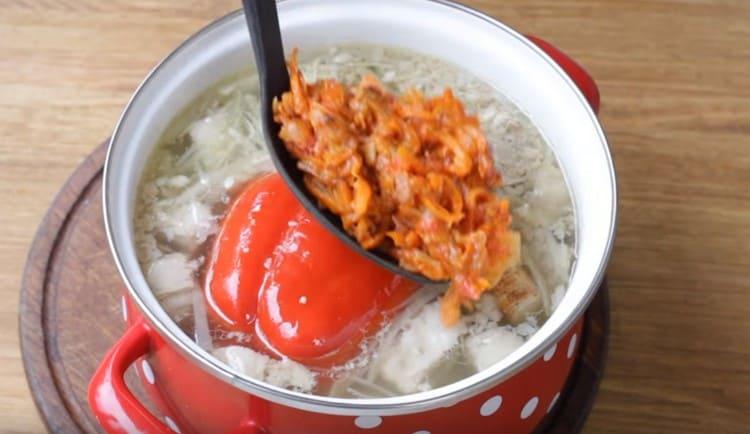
407,174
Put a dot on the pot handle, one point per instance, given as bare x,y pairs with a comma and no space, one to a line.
114,405
116,409
580,77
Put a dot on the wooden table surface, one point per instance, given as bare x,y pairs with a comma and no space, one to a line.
675,83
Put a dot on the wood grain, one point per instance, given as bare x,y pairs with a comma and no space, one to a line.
675,90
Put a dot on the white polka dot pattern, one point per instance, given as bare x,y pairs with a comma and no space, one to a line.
421,432
529,408
550,353
170,423
124,309
368,422
553,402
572,345
147,372
491,406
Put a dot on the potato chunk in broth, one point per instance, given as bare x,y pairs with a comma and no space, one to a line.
210,153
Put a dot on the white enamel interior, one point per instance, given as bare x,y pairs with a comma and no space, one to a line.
481,46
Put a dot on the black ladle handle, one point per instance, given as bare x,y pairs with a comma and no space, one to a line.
263,24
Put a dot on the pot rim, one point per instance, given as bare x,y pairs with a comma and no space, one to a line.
444,396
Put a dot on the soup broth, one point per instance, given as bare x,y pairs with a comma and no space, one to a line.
216,146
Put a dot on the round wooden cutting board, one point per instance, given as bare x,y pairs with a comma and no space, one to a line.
70,314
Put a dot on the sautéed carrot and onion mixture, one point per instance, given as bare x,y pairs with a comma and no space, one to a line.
408,174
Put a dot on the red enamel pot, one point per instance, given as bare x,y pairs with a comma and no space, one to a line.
198,394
